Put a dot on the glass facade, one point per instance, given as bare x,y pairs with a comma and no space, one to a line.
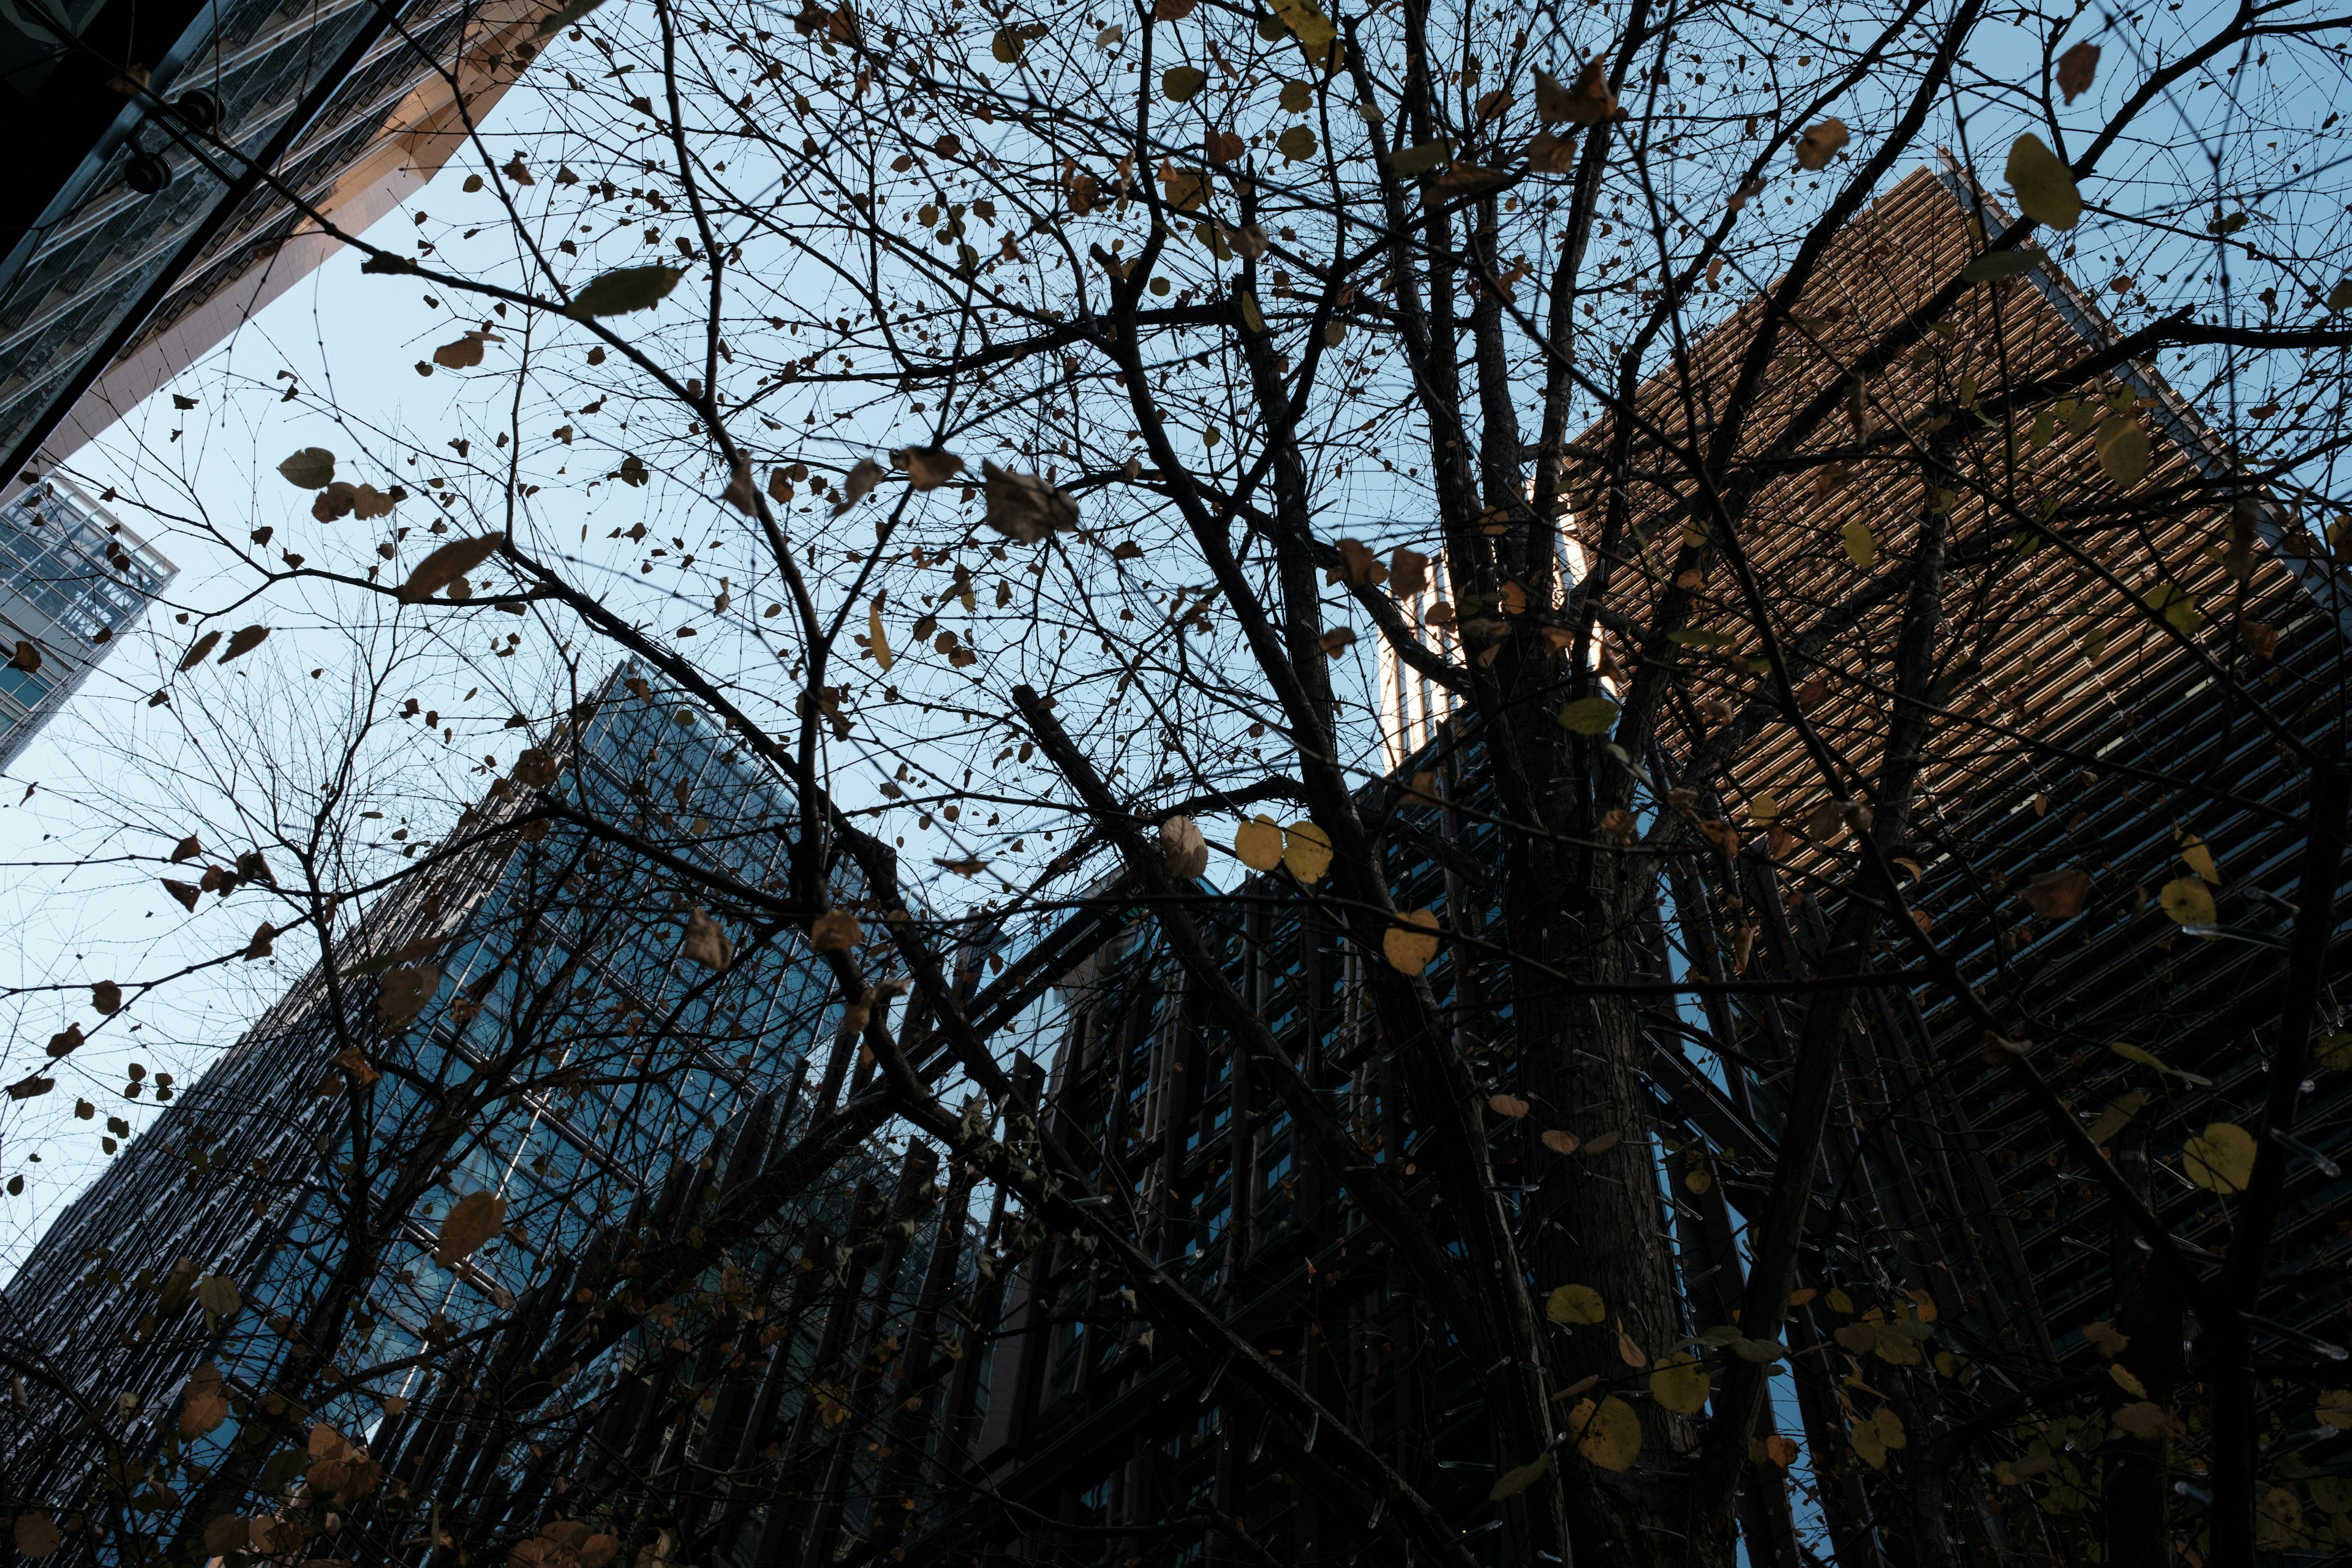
72,578
567,1058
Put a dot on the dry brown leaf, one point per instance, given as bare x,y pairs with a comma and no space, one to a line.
1358,566
1023,506
244,641
202,646
1550,155
836,931
36,1534
1588,101
1817,146
929,467
472,1221
706,942
1509,1105
1560,1143
1183,852
1408,572
446,566
2057,895
204,1405
858,484
2076,67
463,354
404,992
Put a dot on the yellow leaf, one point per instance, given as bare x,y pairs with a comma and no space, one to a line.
1410,950
1306,19
1839,1301
1252,317
1306,851
2333,1050
1576,1304
2124,451
1611,1432
2132,1053
1180,82
1258,844
2142,1419
2044,186
2126,1382
1860,548
1516,1481
1859,1338
1895,1347
2177,605
1890,1427
2220,1159
878,638
1681,1384
2335,1409
2105,1336
472,1221
1296,144
1588,715
2200,858
2187,900
1422,159
1868,1443
2117,1115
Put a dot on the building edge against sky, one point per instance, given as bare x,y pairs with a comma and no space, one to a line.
125,259
136,1244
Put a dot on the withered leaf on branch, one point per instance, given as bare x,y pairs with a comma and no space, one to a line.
858,484
1023,506
404,992
1817,146
2057,895
446,565
623,290
462,354
472,1221
2076,67
202,646
1588,101
929,467
836,931
706,942
311,469
244,641
1184,851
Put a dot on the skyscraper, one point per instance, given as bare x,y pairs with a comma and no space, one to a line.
525,1020
72,578
137,232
